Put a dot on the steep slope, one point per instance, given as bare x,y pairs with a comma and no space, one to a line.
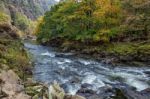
31,8
23,13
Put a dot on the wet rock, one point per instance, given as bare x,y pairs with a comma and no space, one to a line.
75,79
86,85
147,73
118,91
146,91
86,90
64,55
65,87
123,93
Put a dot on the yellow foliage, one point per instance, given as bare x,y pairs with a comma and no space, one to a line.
37,24
4,18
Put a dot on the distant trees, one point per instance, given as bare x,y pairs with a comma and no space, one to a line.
95,20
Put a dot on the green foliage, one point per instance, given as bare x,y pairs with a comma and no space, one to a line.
96,21
13,55
21,21
4,18
114,28
82,21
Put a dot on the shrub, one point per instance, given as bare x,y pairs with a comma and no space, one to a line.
4,18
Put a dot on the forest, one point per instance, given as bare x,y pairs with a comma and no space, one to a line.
116,27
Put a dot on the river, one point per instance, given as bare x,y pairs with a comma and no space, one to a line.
71,72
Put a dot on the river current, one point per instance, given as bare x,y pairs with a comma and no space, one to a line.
71,72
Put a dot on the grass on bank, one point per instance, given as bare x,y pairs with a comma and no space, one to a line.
13,56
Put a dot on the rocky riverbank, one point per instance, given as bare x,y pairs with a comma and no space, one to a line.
87,78
16,71
14,64
124,53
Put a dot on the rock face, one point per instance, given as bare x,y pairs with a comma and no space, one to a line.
31,8
11,87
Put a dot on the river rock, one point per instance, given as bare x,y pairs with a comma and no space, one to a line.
119,91
86,85
129,94
75,79
146,91
147,73
86,90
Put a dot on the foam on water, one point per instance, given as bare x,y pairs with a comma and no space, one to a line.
48,54
65,70
85,62
73,89
137,84
89,79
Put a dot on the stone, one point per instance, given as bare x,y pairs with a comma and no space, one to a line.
35,97
10,76
11,86
56,92
86,85
12,89
22,96
77,97
73,97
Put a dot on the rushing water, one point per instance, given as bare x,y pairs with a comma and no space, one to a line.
72,72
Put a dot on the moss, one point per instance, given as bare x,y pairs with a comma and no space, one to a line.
144,48
122,49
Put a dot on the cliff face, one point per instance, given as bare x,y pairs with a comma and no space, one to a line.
31,8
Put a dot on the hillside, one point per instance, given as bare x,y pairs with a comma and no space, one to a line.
23,13
16,19
31,8
118,30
